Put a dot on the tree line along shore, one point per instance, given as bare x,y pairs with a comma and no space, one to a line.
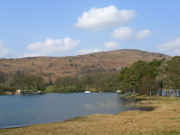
140,78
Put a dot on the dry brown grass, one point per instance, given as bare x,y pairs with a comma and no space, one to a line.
164,120
53,67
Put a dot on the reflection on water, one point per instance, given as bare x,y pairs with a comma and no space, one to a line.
19,110
123,102
109,104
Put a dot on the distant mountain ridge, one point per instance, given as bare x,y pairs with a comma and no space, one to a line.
52,67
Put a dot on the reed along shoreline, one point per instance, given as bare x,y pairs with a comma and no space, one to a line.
164,119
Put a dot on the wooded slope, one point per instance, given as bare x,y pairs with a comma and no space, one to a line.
53,67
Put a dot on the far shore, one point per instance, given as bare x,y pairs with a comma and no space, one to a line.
164,119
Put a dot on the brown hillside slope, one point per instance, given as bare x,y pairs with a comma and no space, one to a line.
53,67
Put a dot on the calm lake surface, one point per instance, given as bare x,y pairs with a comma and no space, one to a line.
22,110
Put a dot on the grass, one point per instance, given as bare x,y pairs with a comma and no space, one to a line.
164,120
51,89
153,97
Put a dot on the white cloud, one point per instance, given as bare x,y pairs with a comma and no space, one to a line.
111,45
102,18
6,52
3,49
142,34
87,51
50,47
127,34
173,46
106,47
123,34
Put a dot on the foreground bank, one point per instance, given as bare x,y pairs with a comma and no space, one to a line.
164,119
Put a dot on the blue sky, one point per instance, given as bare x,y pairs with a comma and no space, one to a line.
68,28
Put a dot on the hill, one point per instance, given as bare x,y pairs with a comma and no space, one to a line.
52,67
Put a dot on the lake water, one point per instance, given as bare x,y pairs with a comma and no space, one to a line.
22,110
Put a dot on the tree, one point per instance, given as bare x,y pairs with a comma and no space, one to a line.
140,77
124,79
19,79
173,71
39,82
29,80
130,78
162,76
3,77
137,70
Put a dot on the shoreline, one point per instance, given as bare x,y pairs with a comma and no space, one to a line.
165,116
135,104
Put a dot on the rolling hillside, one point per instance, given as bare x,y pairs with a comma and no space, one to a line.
52,67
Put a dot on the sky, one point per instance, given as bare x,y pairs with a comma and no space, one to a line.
30,28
